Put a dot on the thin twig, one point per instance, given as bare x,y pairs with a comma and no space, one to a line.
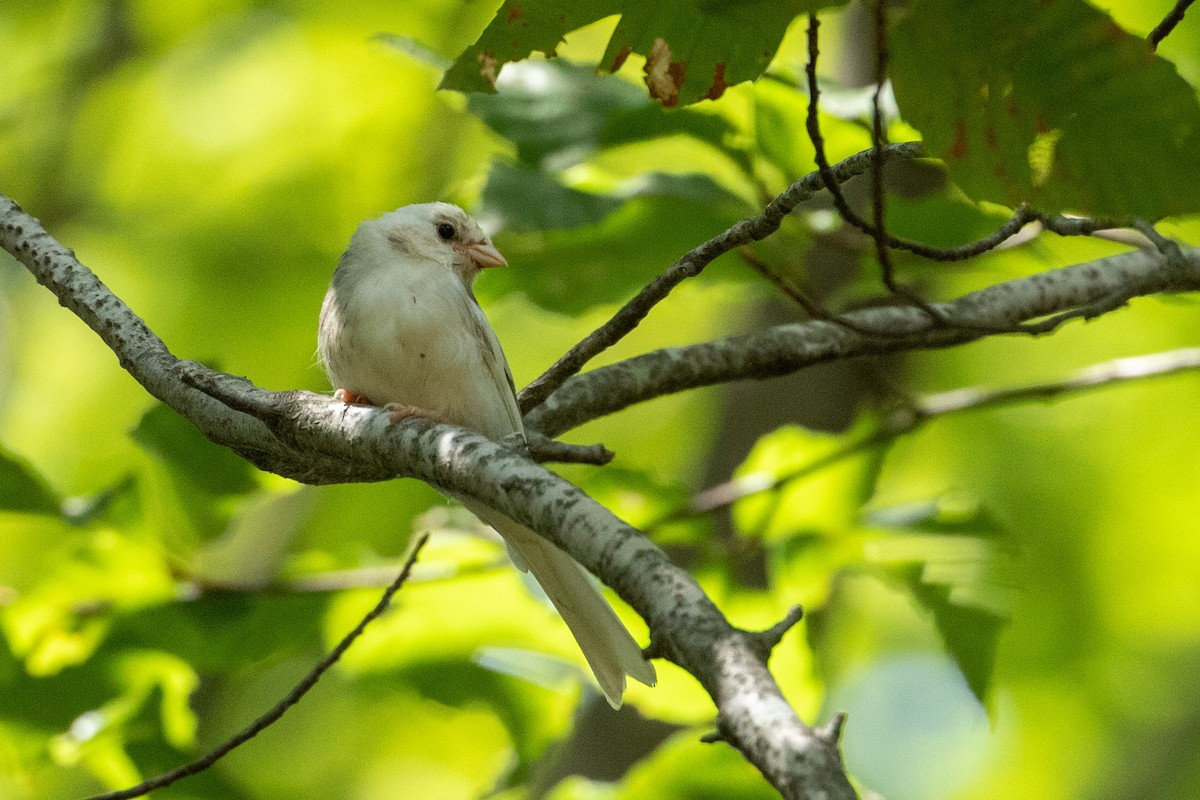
933,406
1164,28
810,306
292,697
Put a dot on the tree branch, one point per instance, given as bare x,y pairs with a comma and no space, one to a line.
1163,29
1082,290
314,439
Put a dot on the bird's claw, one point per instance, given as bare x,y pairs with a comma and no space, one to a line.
401,411
516,441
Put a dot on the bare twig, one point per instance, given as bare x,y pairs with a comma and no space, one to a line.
1164,28
280,708
878,208
545,450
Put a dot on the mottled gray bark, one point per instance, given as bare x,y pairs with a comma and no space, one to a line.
1082,290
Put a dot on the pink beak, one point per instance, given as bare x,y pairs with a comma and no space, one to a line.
484,255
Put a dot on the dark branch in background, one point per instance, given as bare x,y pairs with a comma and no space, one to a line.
810,306
290,699
691,264
878,207
1164,28
930,407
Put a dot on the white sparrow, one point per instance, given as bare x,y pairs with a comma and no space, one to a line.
400,327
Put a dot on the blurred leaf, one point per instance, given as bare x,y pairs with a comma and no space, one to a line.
23,489
958,565
527,199
694,48
635,495
64,612
178,444
936,213
823,492
98,737
223,632
189,486
554,111
557,114
779,115
410,46
685,768
574,270
252,551
1048,103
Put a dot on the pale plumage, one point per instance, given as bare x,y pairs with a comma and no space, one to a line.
400,325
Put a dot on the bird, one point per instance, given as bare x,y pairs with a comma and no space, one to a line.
400,328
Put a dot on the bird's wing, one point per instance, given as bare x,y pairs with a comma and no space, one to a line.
497,364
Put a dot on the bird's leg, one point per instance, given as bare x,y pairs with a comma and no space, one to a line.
399,411
347,396
396,411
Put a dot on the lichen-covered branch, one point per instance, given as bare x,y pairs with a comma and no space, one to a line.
314,439
1082,290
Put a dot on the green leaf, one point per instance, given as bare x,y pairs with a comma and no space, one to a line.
573,270
526,199
177,443
825,482
956,561
694,49
250,553
1048,103
23,489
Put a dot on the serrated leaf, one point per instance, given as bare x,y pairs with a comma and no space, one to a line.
694,49
23,489
1050,103
957,564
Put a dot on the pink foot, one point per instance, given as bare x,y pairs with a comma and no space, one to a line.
347,396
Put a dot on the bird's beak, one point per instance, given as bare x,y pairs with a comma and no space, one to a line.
484,255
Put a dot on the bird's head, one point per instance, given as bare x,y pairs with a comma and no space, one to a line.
431,232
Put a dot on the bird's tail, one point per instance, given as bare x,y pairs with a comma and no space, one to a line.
608,647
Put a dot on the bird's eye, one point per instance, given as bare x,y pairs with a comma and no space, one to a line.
445,230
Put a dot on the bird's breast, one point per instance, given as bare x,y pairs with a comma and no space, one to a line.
413,342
